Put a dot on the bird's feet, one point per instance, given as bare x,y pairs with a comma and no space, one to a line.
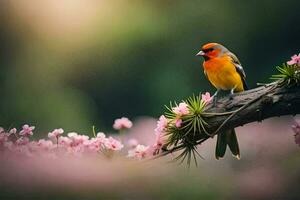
231,94
215,100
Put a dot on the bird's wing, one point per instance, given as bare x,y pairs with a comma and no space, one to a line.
239,69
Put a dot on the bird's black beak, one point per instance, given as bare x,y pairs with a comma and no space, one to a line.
200,53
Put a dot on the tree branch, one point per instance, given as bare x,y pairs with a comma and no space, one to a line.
255,105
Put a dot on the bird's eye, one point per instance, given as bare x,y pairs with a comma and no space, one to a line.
208,50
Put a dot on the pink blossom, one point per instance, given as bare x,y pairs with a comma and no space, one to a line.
72,135
297,139
162,124
3,138
74,144
93,144
22,141
1,129
45,144
64,141
139,152
27,130
181,109
113,144
296,129
101,135
122,123
77,139
12,131
132,143
295,59
206,98
160,140
178,123
55,133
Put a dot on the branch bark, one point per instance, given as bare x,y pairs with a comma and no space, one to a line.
255,105
272,100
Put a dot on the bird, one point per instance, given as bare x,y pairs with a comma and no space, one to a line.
225,72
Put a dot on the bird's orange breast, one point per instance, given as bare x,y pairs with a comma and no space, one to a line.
222,74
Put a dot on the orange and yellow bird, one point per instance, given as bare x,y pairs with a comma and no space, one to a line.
224,71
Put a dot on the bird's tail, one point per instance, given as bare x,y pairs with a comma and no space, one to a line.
245,86
229,138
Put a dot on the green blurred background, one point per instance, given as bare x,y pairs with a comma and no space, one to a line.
74,64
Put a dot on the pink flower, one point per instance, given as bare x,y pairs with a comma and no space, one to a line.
132,143
3,138
295,59
72,135
296,129
45,145
113,144
55,133
178,123
101,138
27,130
93,144
12,131
206,98
64,141
1,129
101,135
139,152
122,123
22,141
77,139
162,124
297,139
181,109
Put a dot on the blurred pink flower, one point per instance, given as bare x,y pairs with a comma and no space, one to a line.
3,138
45,145
55,133
113,144
27,130
297,139
296,129
295,59
12,131
122,123
181,109
101,135
94,144
72,135
1,129
22,141
74,145
178,123
162,123
64,141
206,98
139,152
77,139
132,143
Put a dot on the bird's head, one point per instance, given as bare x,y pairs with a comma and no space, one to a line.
212,50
